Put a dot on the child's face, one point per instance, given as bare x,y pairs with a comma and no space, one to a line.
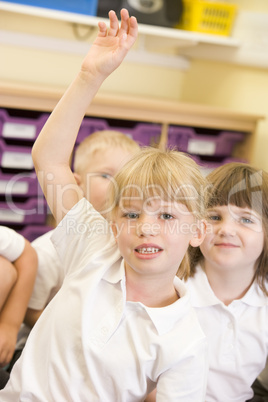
154,236
99,172
234,240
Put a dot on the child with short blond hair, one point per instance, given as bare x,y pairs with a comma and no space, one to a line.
96,160
122,321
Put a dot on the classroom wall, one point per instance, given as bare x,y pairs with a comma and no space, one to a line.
235,87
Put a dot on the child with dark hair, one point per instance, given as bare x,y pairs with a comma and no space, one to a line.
228,281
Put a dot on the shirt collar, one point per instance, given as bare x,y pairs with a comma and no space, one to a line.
202,295
200,291
163,318
255,296
116,272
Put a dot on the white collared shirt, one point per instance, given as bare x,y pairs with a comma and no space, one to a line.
11,243
91,344
50,272
237,338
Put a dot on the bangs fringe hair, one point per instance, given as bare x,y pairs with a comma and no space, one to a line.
169,175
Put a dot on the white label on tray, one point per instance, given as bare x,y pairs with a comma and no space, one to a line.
13,187
17,160
200,147
11,216
15,130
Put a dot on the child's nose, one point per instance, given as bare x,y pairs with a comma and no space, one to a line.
227,228
148,227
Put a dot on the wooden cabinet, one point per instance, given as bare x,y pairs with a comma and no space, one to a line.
138,109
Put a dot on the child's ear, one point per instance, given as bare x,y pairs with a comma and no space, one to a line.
114,228
199,233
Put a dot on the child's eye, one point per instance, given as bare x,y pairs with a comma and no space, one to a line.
246,220
214,218
105,175
166,216
131,215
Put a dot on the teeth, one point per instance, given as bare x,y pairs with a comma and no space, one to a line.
148,250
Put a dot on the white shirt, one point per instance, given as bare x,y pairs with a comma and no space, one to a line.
50,272
49,278
90,344
237,338
11,243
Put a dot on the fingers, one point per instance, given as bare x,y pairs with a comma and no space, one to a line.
102,29
127,32
128,24
124,20
114,24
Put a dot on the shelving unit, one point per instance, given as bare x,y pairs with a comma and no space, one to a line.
133,108
159,45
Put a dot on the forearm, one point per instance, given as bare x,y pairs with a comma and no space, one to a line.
55,143
151,397
15,307
8,277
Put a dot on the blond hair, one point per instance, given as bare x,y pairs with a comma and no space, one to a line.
170,175
99,141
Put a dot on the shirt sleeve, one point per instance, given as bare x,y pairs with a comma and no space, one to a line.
11,243
50,272
83,238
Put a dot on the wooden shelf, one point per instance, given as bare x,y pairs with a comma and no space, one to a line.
168,33
158,45
143,109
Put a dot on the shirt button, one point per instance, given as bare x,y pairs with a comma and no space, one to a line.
230,325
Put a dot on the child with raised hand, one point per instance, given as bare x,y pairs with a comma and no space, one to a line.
122,320
228,281
18,265
96,160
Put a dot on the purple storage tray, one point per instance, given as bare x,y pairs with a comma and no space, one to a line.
89,126
31,232
146,134
22,184
25,129
15,157
187,140
33,210
207,166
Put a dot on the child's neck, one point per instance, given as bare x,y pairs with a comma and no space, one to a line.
228,286
153,292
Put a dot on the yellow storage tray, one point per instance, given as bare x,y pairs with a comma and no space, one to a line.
207,17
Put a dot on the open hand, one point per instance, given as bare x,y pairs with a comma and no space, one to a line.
111,45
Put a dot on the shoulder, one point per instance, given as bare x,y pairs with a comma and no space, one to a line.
11,243
84,235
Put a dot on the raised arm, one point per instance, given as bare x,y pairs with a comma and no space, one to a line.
53,147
